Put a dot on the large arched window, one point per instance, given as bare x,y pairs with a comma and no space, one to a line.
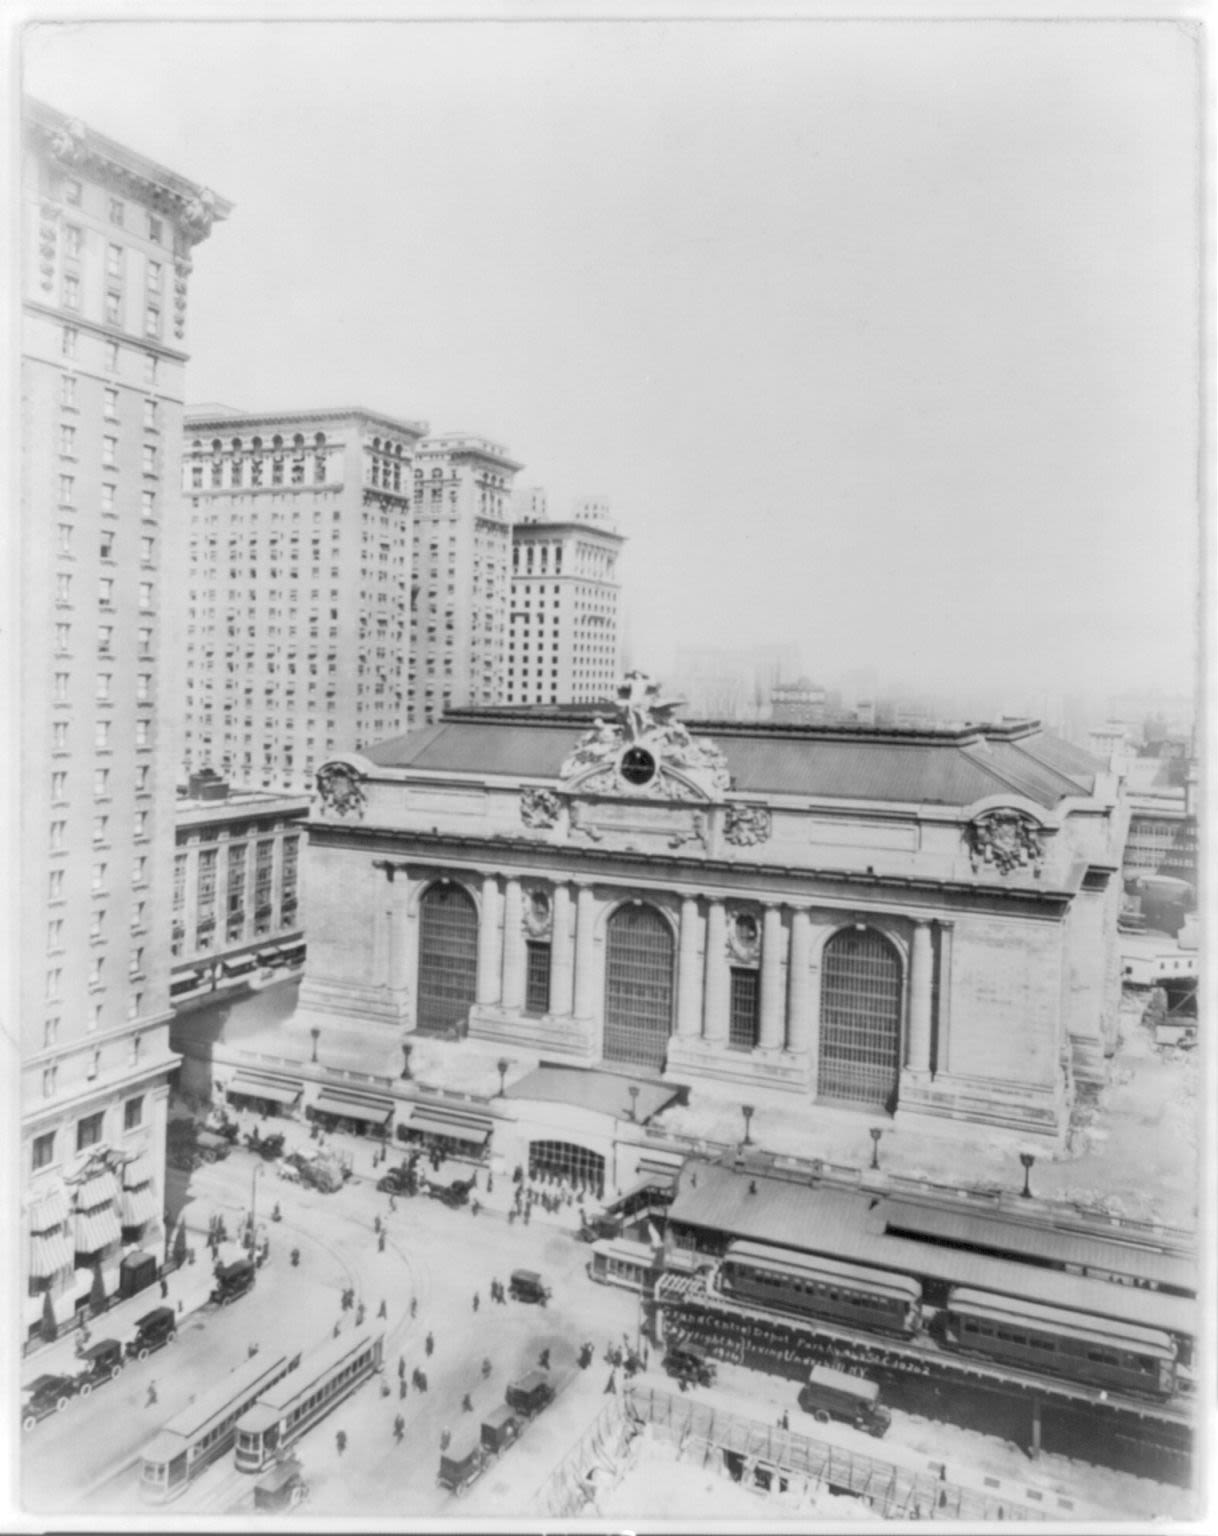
448,960
860,1019
638,987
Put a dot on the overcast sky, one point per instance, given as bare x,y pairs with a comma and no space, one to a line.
882,338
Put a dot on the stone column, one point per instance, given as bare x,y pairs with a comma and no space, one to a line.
585,953
562,953
921,969
689,989
799,983
513,945
490,960
771,1035
715,1029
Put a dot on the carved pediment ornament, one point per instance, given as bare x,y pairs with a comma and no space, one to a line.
1005,841
744,935
747,825
538,916
538,807
645,752
338,786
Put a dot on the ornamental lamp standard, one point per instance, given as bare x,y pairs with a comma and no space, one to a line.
1027,1160
747,1111
259,1168
502,1064
634,1101
407,1047
316,1033
876,1133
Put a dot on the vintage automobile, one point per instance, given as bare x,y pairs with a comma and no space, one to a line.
527,1285
829,1394
282,1488
461,1466
154,1330
233,1280
102,1361
692,1362
528,1396
500,1429
46,1395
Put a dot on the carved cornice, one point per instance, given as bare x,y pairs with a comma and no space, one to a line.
67,142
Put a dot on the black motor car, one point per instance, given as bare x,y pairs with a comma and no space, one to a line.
46,1395
233,1280
102,1361
692,1362
153,1330
527,1285
454,1194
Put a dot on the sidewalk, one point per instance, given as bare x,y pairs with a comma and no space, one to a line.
189,1289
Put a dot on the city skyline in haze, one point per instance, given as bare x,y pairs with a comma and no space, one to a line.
881,338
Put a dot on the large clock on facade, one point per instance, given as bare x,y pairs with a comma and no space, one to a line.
637,766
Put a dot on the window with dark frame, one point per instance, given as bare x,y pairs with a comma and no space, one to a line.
88,1131
744,1019
537,983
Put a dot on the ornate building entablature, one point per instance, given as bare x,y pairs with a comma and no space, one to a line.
67,142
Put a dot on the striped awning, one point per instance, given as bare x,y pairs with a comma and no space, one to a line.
431,1124
50,1252
138,1206
374,1112
96,1228
248,1087
98,1190
138,1171
51,1210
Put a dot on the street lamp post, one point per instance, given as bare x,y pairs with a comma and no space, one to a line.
258,1169
316,1033
1027,1160
407,1047
634,1101
747,1111
876,1133
503,1064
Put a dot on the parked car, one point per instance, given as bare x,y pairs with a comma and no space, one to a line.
46,1395
154,1329
233,1280
454,1194
528,1396
461,1466
499,1429
103,1361
527,1285
692,1362
830,1394
266,1146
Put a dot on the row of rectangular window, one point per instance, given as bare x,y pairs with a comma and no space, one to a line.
67,449
70,348
71,189
89,1129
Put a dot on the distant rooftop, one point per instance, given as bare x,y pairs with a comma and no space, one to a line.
197,416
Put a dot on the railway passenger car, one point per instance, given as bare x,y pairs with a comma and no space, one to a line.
619,1261
291,1407
194,1438
806,1284
1093,1350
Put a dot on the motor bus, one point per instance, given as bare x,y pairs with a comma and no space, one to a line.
293,1405
204,1430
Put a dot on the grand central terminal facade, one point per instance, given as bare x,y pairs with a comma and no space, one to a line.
918,923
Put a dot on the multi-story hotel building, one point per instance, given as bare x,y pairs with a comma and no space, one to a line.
299,588
462,554
108,237
564,639
919,924
236,883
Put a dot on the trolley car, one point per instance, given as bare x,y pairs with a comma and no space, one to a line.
805,1283
291,1407
206,1429
1094,1350
619,1261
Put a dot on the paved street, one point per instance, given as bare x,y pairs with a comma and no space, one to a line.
437,1256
